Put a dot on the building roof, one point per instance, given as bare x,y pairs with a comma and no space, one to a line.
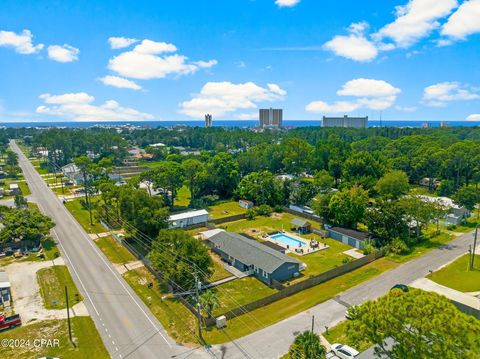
250,252
211,232
14,186
353,233
70,168
189,214
4,282
274,246
443,201
300,222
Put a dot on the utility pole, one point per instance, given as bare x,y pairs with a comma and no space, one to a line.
199,307
473,250
68,316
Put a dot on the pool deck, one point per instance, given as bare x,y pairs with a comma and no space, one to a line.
304,250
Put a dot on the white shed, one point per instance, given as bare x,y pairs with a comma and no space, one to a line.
187,219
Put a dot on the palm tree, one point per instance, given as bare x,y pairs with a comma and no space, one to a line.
209,301
307,346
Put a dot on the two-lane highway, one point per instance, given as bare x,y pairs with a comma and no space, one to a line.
126,325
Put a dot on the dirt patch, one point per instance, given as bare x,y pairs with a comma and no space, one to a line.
276,215
253,232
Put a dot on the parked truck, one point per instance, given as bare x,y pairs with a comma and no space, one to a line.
9,322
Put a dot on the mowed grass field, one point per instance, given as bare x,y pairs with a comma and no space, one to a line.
457,275
82,215
52,282
88,343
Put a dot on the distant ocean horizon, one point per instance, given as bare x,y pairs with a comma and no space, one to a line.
231,123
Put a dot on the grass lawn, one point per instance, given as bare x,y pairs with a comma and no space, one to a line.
83,217
338,334
52,282
225,209
183,197
114,251
219,271
296,303
457,276
174,316
85,335
240,292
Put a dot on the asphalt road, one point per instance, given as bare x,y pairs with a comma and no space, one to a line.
126,325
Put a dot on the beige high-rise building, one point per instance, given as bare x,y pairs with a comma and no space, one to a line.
208,120
270,117
345,121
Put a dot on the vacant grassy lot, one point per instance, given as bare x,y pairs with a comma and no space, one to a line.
85,335
433,241
83,217
219,271
457,276
114,251
225,209
338,334
52,282
240,292
296,303
174,316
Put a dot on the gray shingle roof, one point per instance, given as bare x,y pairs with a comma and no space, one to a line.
299,222
249,251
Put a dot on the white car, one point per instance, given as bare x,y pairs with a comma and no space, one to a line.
344,351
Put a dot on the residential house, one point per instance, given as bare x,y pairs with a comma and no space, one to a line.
14,189
73,173
255,258
351,237
455,214
188,219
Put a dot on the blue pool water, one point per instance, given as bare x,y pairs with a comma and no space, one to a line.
285,239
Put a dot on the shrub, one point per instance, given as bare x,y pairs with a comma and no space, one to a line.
264,210
368,247
278,208
398,246
250,214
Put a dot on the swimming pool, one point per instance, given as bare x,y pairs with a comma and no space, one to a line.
287,240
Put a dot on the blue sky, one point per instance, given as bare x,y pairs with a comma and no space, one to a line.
176,60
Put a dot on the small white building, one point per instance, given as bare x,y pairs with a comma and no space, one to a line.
72,172
245,203
187,219
14,189
5,295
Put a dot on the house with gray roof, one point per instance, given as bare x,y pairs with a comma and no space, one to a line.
248,255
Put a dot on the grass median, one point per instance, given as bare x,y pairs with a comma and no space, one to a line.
52,282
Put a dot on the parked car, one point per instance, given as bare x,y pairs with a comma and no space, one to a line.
401,287
344,351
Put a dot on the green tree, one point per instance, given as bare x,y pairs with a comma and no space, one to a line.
84,164
209,301
347,207
296,155
307,345
323,181
24,224
321,206
467,196
393,184
259,187
418,211
176,255
421,324
168,177
196,176
387,221
223,170
362,168
301,191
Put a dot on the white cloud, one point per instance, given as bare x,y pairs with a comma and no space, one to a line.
154,60
247,116
286,3
439,94
221,98
121,42
415,20
368,94
337,107
368,88
119,82
65,53
474,117
79,107
465,21
354,46
22,43
406,108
